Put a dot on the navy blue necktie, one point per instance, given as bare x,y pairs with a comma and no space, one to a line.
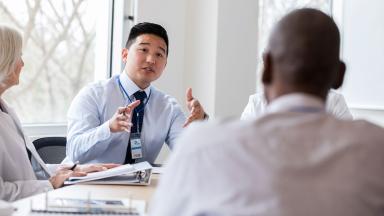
137,121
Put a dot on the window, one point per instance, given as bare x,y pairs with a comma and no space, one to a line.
272,10
66,46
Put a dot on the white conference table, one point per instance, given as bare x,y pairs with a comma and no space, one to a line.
145,193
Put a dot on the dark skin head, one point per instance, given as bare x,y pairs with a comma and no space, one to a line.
303,56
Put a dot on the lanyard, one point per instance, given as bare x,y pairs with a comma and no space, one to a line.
125,94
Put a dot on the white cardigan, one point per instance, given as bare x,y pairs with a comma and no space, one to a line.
17,176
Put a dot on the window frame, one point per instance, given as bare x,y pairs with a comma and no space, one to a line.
115,20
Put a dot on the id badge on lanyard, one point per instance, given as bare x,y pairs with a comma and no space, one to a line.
136,146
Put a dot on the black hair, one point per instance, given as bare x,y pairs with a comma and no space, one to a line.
147,28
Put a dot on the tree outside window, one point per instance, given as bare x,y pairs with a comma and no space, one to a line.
59,52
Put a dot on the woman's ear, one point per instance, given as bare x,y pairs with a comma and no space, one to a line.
339,76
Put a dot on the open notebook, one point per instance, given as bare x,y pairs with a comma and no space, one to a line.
135,174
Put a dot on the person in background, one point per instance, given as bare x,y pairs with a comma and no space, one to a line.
99,118
335,104
22,171
295,160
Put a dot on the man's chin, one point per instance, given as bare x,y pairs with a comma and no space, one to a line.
148,78
145,82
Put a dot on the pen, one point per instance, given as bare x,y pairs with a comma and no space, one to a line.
125,114
74,166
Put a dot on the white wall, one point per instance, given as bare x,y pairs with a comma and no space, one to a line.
363,51
236,64
375,116
221,52
200,57
171,15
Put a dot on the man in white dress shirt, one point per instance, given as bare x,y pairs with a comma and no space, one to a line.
99,127
335,104
295,160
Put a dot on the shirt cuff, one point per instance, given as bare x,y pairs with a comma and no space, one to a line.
104,132
52,168
47,185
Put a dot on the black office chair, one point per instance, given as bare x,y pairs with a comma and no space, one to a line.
51,149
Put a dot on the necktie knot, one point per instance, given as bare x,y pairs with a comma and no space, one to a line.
140,95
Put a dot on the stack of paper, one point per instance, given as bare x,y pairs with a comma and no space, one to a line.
139,173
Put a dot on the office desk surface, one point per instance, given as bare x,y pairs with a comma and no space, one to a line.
96,191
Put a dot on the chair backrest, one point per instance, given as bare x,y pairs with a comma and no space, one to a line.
51,149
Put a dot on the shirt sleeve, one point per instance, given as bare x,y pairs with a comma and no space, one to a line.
255,107
11,191
176,126
337,106
52,168
249,110
85,129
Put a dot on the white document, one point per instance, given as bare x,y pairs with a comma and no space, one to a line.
127,170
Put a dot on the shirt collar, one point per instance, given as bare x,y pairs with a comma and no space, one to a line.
130,87
294,101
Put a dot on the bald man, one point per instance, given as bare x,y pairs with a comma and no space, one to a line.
296,160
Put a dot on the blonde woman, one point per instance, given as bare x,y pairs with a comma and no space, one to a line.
22,172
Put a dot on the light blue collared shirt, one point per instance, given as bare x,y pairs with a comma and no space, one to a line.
89,139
